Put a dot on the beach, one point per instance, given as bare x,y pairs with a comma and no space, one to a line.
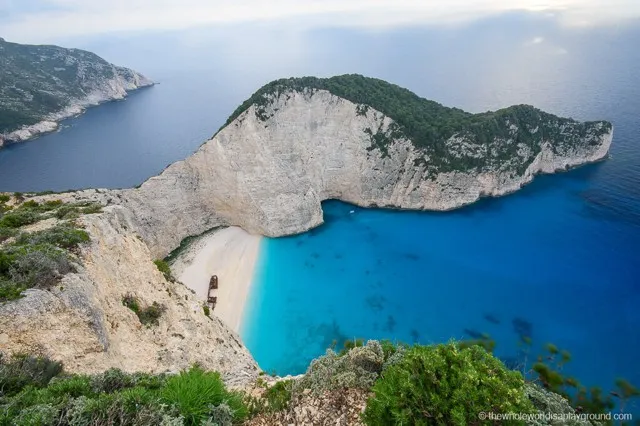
231,254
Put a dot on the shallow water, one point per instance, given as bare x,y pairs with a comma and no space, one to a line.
558,261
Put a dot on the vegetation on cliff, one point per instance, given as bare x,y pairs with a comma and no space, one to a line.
36,81
443,384
377,383
509,137
40,256
35,391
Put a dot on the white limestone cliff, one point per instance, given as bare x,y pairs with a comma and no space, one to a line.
269,177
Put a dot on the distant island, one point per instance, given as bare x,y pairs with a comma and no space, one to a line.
42,85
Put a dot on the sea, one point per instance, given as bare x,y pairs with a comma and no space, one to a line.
558,261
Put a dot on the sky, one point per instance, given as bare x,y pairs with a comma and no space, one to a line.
47,21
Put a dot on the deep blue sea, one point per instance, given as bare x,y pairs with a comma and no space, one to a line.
559,259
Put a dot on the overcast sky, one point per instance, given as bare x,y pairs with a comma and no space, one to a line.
42,21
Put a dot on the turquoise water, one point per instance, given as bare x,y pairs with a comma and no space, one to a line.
559,257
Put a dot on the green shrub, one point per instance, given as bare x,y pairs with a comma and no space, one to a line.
151,314
4,198
206,310
72,386
74,210
63,236
18,218
446,385
111,380
6,233
164,268
44,207
22,370
67,212
193,392
358,368
147,316
91,209
549,369
278,396
59,392
149,381
350,344
10,290
38,415
131,302
133,406
219,415
34,265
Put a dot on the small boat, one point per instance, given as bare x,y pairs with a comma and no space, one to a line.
352,211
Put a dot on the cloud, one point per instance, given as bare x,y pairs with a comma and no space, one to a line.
45,20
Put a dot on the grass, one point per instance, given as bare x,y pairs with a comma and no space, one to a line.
193,392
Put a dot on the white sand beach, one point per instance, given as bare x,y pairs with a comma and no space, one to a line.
231,254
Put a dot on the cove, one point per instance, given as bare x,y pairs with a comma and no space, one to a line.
557,260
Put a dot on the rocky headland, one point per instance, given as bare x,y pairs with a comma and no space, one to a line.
43,85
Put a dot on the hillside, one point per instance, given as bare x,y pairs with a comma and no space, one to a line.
40,85
480,141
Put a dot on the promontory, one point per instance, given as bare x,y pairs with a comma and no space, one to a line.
42,85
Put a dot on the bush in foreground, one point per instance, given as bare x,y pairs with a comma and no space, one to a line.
355,368
196,393
445,385
35,391
23,370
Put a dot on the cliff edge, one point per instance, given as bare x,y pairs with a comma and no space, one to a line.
296,143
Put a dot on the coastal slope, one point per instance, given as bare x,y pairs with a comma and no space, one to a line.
296,143
42,85
87,314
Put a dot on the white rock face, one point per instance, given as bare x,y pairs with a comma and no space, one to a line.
269,177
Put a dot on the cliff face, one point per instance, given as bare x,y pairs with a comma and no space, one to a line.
268,170
83,322
41,85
